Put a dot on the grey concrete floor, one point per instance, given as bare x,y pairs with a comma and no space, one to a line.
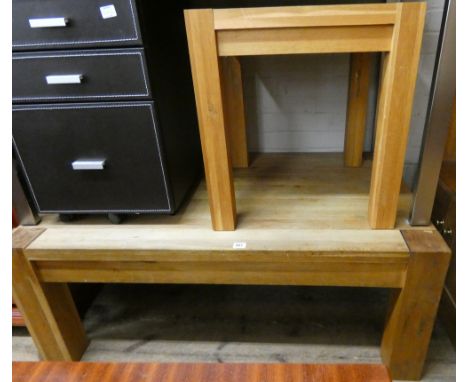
171,323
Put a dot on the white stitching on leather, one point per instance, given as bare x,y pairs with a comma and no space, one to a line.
98,107
88,41
76,42
82,106
143,69
109,52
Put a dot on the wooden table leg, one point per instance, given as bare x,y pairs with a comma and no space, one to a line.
413,311
211,120
358,95
233,97
395,104
49,311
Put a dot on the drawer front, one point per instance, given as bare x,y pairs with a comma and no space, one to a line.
50,24
79,75
92,158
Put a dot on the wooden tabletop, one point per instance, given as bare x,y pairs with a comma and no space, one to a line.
286,202
195,372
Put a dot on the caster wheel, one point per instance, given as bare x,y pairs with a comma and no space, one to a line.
115,218
66,218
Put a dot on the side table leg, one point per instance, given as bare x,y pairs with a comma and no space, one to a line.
414,308
399,72
356,114
233,97
49,311
206,75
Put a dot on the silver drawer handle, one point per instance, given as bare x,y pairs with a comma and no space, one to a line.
93,164
50,22
64,79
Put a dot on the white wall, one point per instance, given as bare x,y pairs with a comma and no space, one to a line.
298,103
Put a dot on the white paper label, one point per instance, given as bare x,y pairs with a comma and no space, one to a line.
108,11
239,245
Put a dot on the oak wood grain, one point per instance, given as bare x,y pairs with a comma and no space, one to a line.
302,40
49,311
196,372
356,113
211,119
336,272
304,16
413,310
233,98
23,236
400,69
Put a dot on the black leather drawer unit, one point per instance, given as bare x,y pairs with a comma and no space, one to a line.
110,125
73,139
52,24
101,74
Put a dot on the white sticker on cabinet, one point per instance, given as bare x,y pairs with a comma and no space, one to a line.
108,11
239,245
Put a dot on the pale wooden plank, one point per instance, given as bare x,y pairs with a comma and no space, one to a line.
23,236
343,273
254,42
358,94
304,16
400,70
162,242
206,79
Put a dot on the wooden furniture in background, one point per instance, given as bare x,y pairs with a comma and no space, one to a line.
286,236
395,29
444,218
196,372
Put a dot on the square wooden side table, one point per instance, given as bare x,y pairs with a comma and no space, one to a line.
217,36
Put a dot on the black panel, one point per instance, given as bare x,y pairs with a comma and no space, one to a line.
171,80
86,27
107,74
49,138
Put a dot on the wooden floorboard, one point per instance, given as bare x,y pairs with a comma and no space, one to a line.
195,372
